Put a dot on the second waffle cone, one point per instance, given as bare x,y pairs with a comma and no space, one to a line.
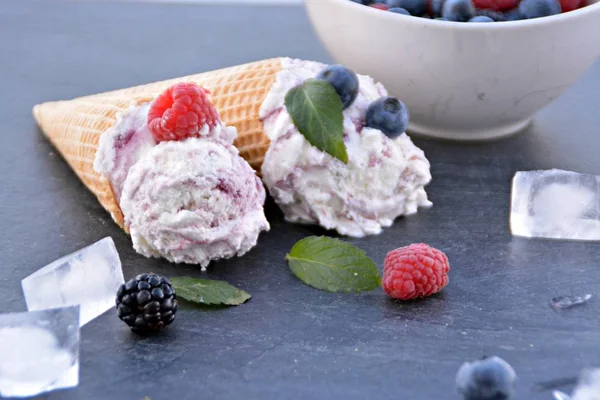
74,126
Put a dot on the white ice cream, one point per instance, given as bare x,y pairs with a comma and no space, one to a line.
193,201
189,201
129,139
383,179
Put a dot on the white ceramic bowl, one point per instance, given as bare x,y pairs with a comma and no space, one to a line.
462,81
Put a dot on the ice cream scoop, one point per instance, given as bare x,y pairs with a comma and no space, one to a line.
383,179
193,201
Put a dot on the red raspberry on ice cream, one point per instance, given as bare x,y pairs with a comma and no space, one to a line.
181,112
414,271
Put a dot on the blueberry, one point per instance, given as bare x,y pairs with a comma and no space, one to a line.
436,8
389,115
399,10
481,18
344,81
539,8
458,10
441,19
414,7
494,15
363,2
513,15
488,379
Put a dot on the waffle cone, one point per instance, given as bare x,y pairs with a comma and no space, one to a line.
74,126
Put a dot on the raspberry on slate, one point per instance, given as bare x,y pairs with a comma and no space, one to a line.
181,112
147,303
414,271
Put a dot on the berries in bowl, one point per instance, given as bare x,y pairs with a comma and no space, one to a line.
475,10
470,80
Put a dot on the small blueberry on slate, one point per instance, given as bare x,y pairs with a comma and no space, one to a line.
458,10
487,379
389,115
539,8
343,80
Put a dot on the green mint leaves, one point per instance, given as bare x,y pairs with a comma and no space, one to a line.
332,265
317,112
208,292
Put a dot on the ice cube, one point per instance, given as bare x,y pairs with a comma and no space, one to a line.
89,277
40,351
560,395
588,387
555,204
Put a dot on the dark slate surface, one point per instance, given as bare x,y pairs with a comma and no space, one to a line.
290,341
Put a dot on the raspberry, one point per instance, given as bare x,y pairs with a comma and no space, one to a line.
414,271
496,5
380,6
570,5
180,112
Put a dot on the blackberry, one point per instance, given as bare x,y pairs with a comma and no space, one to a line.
147,303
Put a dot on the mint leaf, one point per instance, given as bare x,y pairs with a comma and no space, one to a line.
332,265
210,292
316,109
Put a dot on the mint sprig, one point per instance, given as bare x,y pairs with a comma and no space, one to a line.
208,292
332,265
317,111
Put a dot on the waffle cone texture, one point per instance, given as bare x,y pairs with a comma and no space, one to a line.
74,126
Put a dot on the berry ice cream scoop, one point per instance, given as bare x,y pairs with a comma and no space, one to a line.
193,201
184,191
383,179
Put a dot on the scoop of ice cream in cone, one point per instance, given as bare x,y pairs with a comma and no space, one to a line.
193,201
184,191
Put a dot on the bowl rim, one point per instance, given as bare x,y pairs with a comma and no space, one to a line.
594,7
